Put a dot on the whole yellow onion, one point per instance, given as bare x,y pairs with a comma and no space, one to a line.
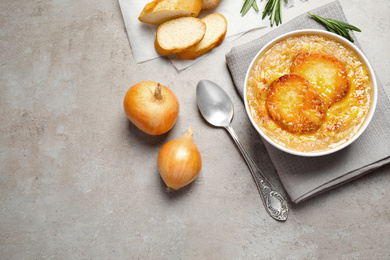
179,161
151,107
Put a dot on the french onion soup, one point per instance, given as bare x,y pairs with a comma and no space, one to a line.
309,93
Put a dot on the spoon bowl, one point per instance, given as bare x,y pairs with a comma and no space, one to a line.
217,108
214,104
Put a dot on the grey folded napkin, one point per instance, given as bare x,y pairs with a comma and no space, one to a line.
305,177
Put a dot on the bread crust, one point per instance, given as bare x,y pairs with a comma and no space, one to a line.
165,49
295,105
210,40
325,73
161,11
208,4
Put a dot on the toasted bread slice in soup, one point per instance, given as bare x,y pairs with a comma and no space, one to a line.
325,73
208,4
294,105
180,34
216,27
161,11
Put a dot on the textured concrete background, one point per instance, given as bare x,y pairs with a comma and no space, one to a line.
78,181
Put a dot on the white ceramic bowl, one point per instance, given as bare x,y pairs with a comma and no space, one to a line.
343,41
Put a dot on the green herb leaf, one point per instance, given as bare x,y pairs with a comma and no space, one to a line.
273,10
337,27
255,6
247,5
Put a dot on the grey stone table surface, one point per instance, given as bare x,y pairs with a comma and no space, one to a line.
79,181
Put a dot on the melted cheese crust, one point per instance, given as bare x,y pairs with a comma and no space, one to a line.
294,105
344,117
324,72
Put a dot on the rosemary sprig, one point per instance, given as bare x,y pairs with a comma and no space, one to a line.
337,27
273,10
247,5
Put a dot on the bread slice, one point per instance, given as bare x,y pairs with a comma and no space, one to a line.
216,27
178,35
295,105
208,4
326,73
161,11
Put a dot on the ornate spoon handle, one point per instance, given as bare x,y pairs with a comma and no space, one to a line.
274,203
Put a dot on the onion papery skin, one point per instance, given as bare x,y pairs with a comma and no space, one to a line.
149,112
179,162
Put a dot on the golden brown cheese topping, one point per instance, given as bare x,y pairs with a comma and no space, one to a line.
324,72
294,105
319,112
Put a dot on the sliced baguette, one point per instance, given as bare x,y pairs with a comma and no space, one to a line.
161,11
216,27
208,4
179,35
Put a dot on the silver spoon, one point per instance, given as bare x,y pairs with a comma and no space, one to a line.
217,108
